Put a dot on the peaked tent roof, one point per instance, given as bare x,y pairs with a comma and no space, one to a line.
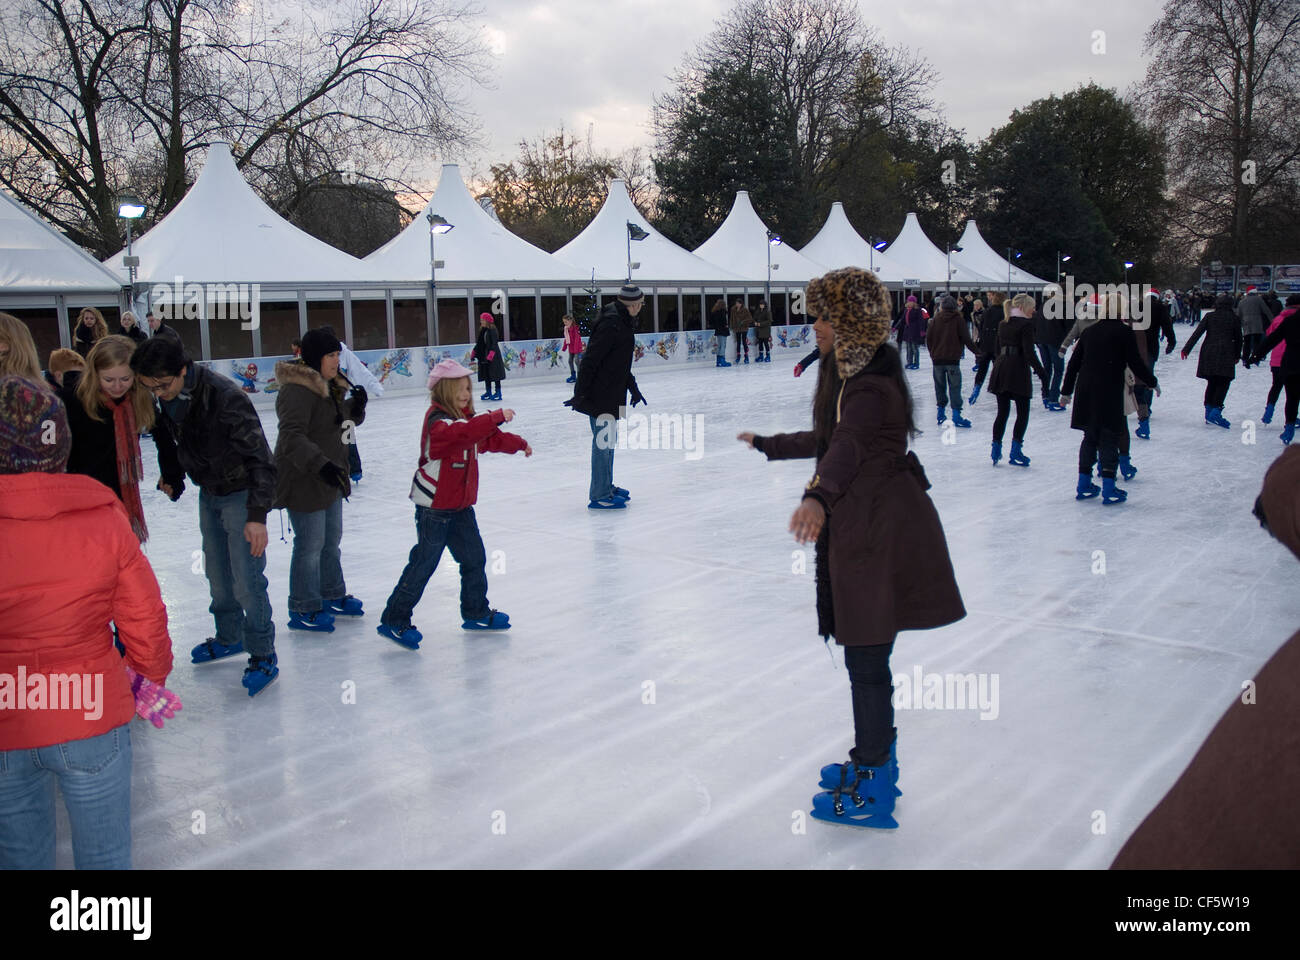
978,255
479,248
838,245
222,232
36,258
921,260
602,246
740,245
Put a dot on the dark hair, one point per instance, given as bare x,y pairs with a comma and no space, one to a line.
295,342
886,363
158,357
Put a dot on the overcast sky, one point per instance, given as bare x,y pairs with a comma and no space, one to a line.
601,62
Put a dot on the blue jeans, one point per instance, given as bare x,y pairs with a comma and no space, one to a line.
603,439
913,351
94,776
457,530
1055,363
722,345
236,579
316,570
947,384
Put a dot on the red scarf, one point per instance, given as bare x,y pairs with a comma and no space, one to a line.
129,464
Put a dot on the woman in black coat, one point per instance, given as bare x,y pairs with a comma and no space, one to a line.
989,322
487,351
1103,353
721,323
1217,364
1015,354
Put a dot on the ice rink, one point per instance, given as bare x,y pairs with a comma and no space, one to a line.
663,699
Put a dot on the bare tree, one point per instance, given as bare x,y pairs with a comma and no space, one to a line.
1223,88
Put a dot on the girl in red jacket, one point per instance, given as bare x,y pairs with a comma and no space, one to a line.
66,698
445,489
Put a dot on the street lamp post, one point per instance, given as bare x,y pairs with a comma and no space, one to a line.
1128,265
951,250
634,232
876,244
1060,260
437,225
772,241
1012,254
130,209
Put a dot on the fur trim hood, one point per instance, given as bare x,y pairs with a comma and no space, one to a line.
297,372
856,305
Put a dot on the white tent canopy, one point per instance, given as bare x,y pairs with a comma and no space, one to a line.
838,245
740,245
36,258
222,232
477,248
978,255
602,247
926,264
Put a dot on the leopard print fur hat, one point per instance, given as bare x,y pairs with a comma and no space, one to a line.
857,306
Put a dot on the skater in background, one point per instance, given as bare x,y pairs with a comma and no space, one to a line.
90,328
572,345
974,319
944,340
881,557
763,332
355,374
1217,363
131,329
18,356
316,418
741,320
1247,763
721,329
1101,358
1275,358
1010,381
1159,323
71,566
1255,315
1049,332
62,362
219,443
159,329
487,351
911,331
445,490
107,411
990,321
1288,332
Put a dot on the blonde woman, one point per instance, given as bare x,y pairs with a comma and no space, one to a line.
90,329
108,409
18,356
1013,355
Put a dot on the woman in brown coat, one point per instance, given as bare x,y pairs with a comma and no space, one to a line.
1013,356
882,559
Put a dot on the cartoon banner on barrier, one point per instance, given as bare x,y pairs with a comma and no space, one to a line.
1286,279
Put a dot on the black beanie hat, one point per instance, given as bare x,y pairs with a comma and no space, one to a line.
316,344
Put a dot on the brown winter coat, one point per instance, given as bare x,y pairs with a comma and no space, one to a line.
741,318
312,418
945,337
889,563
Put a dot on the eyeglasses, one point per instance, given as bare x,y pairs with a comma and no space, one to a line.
161,386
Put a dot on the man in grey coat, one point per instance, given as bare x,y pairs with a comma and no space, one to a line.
1255,317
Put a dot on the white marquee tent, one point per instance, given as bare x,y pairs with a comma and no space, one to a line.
38,261
740,246
925,264
838,245
977,255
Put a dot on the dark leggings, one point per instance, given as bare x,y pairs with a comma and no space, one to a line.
1004,411
872,686
982,364
1275,391
1103,446
1216,391
1125,441
1292,397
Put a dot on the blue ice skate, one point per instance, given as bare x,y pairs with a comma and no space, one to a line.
408,637
495,620
259,673
348,606
213,649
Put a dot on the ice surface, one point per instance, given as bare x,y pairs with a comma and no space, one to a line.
536,747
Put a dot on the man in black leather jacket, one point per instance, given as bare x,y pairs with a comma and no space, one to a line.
219,442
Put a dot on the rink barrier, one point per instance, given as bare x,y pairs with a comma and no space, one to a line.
406,369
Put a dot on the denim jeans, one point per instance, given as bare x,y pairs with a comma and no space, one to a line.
603,439
722,345
94,776
457,530
316,570
1054,366
236,579
913,351
947,385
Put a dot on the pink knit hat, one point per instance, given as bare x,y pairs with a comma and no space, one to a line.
446,370
911,298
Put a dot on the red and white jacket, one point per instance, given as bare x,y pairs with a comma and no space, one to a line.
572,340
447,478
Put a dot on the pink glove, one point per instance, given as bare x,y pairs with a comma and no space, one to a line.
492,355
798,369
153,702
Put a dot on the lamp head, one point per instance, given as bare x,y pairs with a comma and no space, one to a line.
634,232
439,225
130,208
